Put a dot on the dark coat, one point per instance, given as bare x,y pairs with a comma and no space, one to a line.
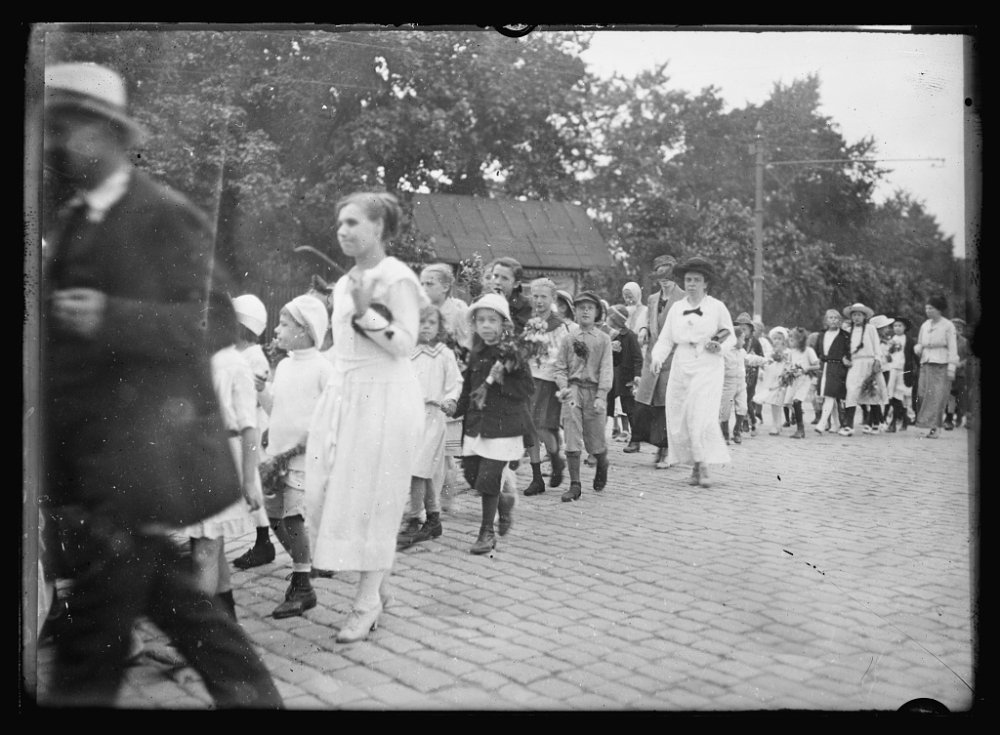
832,363
505,412
132,424
911,363
627,362
520,310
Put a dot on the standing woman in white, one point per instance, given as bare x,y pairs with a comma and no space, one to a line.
367,428
697,330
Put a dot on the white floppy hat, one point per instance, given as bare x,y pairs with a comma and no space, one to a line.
251,313
310,313
489,301
880,320
91,87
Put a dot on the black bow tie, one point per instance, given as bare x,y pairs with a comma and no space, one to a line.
693,311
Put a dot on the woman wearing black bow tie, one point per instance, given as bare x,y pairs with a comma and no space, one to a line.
697,330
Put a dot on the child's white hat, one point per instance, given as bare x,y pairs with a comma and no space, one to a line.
489,301
251,312
310,313
778,330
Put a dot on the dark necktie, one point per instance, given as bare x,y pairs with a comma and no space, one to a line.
71,219
693,311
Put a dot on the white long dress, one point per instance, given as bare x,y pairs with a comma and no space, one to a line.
694,391
366,430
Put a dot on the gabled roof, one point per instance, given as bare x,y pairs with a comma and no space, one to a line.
544,235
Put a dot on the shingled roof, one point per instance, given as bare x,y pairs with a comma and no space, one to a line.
542,235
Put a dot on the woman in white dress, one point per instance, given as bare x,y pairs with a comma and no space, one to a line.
697,329
367,428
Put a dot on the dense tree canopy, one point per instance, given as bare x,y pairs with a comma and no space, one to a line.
266,130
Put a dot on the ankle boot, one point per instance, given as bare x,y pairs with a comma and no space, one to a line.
601,474
431,528
485,543
661,458
738,430
558,465
724,425
800,432
536,486
703,480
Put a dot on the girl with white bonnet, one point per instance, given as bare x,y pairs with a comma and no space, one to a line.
252,317
299,380
638,313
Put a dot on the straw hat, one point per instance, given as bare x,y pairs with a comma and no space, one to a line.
92,88
848,310
880,320
743,318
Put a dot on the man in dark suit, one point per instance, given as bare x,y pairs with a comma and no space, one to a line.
133,440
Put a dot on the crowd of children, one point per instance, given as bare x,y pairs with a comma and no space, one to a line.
536,374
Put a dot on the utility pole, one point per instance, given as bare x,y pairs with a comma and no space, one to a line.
758,227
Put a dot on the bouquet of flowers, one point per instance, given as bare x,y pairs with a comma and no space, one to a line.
535,339
514,355
580,349
274,470
789,375
869,388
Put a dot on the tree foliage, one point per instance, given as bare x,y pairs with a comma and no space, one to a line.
267,129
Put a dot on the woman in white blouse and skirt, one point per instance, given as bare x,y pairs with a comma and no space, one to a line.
697,330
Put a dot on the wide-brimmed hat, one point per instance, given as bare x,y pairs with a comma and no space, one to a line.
251,312
880,320
848,310
777,330
567,300
695,264
905,322
743,318
90,87
489,301
593,298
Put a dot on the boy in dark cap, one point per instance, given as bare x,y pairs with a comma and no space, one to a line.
584,372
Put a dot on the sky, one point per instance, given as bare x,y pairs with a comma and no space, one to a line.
907,91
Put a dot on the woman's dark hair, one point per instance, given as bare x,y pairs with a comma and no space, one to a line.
379,206
507,262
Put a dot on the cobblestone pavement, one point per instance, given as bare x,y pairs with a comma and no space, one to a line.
830,573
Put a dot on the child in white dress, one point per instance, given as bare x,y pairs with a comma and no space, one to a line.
770,390
234,386
441,384
804,363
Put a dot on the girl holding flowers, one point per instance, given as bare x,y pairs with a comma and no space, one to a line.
772,384
496,389
803,365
